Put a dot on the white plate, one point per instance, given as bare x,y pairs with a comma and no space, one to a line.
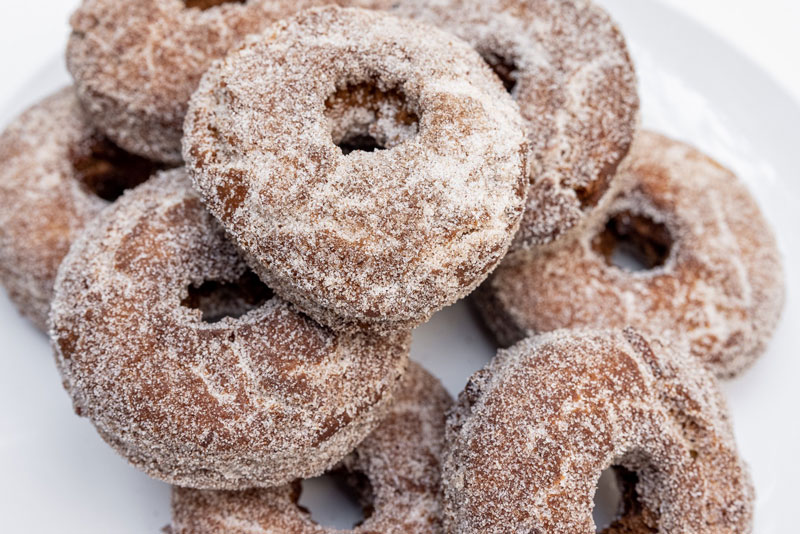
59,476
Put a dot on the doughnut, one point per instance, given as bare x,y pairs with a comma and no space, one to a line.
136,63
372,168
532,432
713,276
566,64
56,174
188,396
395,471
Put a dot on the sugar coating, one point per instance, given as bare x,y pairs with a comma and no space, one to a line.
42,205
532,432
136,63
721,289
576,88
400,458
378,239
254,401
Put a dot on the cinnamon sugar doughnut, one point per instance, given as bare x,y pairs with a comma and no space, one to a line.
531,434
715,278
253,401
412,209
399,462
567,65
136,63
56,173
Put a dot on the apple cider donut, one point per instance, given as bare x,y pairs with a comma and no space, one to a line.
532,432
372,168
713,272
395,471
136,63
566,64
202,400
56,173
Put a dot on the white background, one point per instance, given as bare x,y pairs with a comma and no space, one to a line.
768,31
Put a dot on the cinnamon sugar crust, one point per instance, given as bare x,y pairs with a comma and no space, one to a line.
715,278
136,63
400,460
385,235
532,432
56,174
251,401
566,64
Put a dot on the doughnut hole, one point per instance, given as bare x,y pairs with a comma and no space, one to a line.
633,242
505,69
607,500
364,143
208,4
617,509
365,118
106,170
218,299
338,499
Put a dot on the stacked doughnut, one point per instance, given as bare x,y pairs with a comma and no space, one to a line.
232,222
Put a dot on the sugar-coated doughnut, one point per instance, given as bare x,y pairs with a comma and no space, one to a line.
373,168
715,279
567,65
250,401
56,173
136,63
532,432
395,470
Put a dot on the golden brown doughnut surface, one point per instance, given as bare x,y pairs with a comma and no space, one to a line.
533,431
383,235
195,394
399,461
714,276
136,63
566,64
56,173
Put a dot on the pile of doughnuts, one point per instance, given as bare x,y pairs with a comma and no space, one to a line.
232,222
